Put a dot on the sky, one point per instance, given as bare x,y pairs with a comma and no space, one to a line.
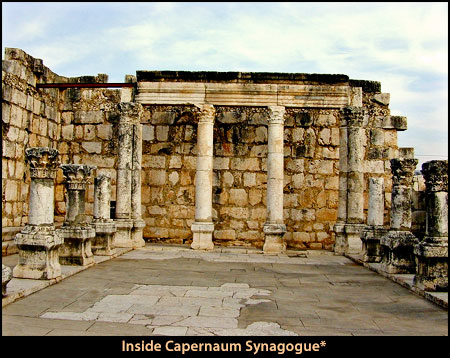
402,45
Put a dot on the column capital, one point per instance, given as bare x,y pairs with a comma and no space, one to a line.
403,171
276,114
206,113
435,173
77,175
353,116
43,162
130,112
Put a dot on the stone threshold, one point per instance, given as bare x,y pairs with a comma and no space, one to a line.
405,280
21,287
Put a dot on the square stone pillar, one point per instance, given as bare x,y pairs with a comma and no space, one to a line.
38,243
203,226
398,243
374,229
128,219
104,226
274,228
432,252
349,225
76,230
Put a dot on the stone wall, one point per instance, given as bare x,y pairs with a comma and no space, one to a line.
74,121
29,118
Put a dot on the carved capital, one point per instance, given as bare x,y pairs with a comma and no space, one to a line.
403,171
130,112
353,116
435,173
43,161
207,113
276,114
77,176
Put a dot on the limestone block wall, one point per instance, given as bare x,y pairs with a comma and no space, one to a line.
30,117
240,174
74,121
88,136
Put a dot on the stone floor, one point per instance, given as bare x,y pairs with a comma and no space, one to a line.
175,291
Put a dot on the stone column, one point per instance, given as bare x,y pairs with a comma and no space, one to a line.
136,166
274,228
351,183
38,243
128,221
375,219
398,243
104,226
432,252
76,230
203,226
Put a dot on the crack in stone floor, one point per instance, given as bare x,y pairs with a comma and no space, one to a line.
180,310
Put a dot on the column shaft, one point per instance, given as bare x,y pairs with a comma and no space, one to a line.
274,227
203,226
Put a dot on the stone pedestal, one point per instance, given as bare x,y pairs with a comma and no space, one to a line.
371,247
6,277
273,238
38,243
431,253
398,243
274,228
202,236
76,230
203,227
102,223
128,192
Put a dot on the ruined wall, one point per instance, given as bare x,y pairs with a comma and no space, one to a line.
74,121
88,136
30,117
239,177
82,124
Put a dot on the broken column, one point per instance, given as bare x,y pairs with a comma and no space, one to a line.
38,243
6,277
349,225
104,226
432,252
398,243
203,226
128,219
374,229
274,227
76,230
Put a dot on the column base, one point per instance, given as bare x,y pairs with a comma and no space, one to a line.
137,233
273,239
202,235
77,245
348,238
431,266
122,237
371,248
38,253
398,255
102,243
340,239
6,277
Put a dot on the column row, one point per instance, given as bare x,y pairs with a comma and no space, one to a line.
203,226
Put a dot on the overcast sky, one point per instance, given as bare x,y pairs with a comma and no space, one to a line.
402,45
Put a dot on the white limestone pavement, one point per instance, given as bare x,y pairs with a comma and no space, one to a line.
180,310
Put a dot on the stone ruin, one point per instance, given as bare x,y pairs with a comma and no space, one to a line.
275,161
